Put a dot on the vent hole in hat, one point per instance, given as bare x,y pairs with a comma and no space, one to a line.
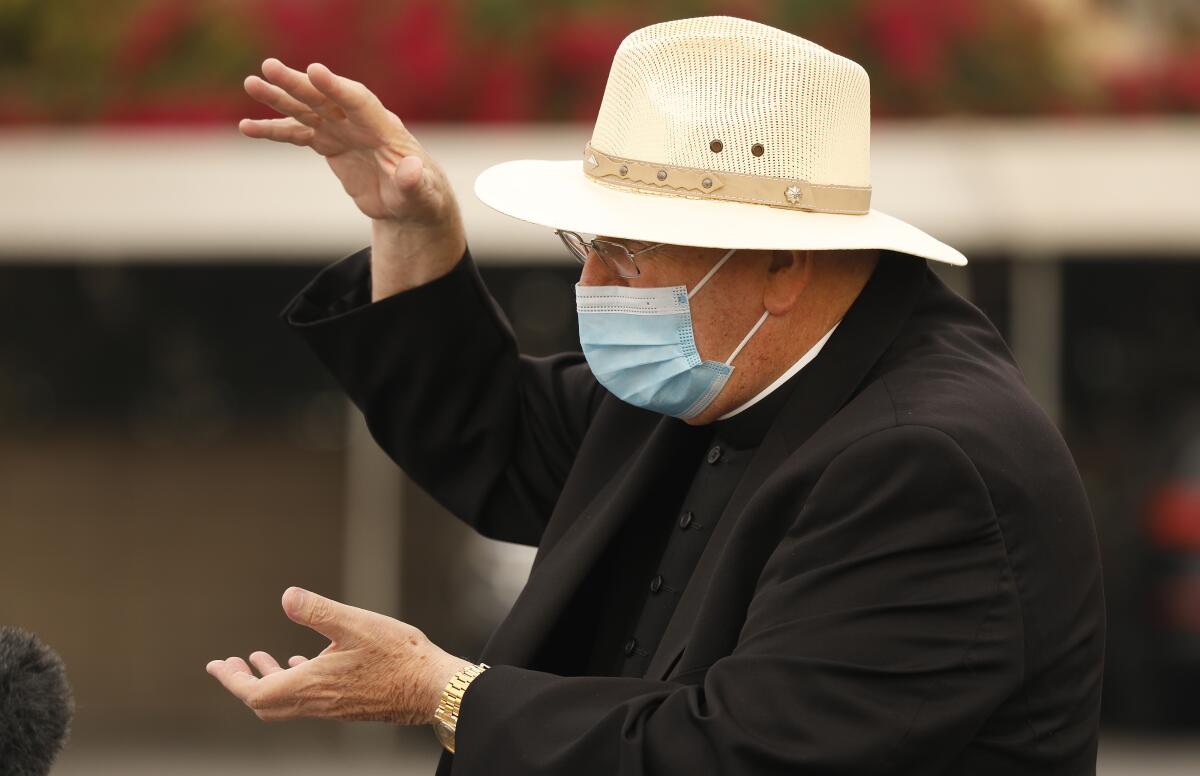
717,146
757,149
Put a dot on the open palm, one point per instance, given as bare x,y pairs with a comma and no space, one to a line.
375,668
378,161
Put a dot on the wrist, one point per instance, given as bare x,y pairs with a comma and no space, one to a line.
442,672
445,721
406,255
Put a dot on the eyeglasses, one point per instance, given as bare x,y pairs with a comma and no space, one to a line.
615,256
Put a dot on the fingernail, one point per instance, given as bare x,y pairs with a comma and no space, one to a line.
297,596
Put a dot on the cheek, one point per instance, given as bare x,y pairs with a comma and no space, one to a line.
713,328
721,320
658,275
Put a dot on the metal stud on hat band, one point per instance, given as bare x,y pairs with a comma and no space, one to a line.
731,187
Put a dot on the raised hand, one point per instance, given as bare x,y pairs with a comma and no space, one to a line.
418,232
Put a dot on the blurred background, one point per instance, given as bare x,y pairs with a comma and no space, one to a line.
171,458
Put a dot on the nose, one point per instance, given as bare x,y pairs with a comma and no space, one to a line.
596,273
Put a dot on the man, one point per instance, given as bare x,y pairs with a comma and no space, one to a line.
795,510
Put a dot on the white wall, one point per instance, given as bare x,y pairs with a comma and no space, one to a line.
1028,188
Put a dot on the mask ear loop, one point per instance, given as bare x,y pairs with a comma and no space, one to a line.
766,314
696,288
763,319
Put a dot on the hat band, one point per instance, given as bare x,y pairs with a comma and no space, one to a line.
691,182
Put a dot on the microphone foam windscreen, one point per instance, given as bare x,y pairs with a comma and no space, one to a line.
35,704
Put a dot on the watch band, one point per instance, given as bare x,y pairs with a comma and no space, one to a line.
446,715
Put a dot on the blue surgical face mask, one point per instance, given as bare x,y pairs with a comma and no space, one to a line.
640,346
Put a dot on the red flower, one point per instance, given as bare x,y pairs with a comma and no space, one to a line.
580,51
1133,92
915,36
910,37
17,109
1181,81
418,52
299,32
172,110
504,91
152,34
961,17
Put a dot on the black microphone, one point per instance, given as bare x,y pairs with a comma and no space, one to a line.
35,704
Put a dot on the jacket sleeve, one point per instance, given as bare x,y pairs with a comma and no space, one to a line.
882,632
435,370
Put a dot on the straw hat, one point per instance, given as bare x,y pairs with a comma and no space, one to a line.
721,133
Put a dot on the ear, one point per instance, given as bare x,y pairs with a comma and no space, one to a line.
788,275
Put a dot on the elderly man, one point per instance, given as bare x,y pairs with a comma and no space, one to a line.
795,510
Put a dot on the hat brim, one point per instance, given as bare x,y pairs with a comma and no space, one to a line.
559,195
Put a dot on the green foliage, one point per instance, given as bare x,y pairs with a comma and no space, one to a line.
156,60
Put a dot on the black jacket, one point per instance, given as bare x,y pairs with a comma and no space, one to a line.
905,581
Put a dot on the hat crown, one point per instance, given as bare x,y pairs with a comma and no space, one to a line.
730,95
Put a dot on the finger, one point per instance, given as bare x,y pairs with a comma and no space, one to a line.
336,621
296,660
287,130
298,86
273,97
238,682
265,664
239,665
358,102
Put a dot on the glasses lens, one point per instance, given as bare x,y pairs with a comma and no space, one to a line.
575,244
617,257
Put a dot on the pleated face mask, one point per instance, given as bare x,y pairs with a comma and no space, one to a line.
640,345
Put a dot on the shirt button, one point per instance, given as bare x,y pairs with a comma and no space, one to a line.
656,583
714,454
685,519
630,646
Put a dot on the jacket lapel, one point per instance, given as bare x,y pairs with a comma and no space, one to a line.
821,389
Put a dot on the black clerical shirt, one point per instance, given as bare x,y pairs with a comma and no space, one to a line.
656,553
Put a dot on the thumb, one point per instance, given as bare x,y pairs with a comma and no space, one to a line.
336,621
408,173
417,190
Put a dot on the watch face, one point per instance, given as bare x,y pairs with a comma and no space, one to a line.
445,735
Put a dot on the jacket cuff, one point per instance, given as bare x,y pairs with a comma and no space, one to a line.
344,289
527,721
487,703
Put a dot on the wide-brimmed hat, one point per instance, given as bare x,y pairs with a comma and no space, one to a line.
722,133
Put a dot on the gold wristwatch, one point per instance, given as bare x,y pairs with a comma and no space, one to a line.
445,717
